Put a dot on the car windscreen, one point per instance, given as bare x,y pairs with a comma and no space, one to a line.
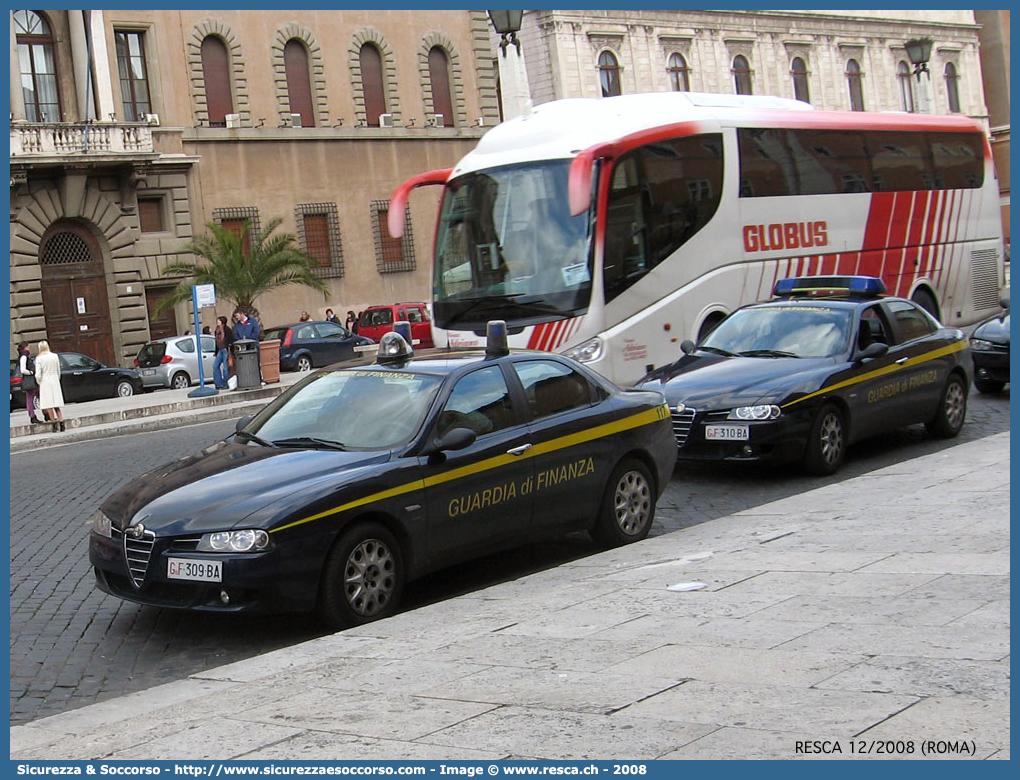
783,331
355,409
150,354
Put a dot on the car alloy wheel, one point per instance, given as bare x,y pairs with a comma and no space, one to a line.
180,381
125,389
628,506
952,411
363,577
304,363
826,445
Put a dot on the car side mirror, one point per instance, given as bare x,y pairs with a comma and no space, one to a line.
1004,301
687,346
242,422
455,439
873,350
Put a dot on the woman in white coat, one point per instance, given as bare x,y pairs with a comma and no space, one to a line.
47,373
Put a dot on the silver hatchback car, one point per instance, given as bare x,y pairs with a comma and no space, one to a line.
171,362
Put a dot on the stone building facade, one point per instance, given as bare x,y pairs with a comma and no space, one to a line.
130,130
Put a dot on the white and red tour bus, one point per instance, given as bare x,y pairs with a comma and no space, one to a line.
613,229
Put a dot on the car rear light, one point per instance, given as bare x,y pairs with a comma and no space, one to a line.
16,382
167,359
137,364
286,339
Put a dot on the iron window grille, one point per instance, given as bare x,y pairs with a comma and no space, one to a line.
392,254
319,233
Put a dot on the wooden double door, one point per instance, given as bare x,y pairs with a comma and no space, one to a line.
75,300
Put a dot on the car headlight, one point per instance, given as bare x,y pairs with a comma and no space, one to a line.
758,412
981,345
101,525
244,540
587,352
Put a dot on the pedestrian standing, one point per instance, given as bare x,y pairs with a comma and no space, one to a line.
29,384
304,317
248,328
331,317
47,374
351,323
221,363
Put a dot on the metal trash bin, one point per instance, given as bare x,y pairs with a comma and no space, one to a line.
246,359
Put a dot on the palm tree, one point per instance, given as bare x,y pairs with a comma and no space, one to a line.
242,269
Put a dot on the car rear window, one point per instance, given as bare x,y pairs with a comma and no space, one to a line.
150,354
377,317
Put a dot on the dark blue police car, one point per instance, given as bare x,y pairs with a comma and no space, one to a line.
361,478
830,361
989,345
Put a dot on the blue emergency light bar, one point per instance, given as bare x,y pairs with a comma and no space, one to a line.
862,286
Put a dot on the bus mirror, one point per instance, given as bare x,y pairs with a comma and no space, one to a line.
687,346
579,181
398,201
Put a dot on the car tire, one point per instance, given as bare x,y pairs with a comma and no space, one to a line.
990,386
826,444
304,363
180,381
363,577
952,411
124,389
628,505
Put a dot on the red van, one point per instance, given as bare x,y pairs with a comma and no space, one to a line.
377,320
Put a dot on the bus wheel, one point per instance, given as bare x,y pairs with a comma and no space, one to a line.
709,325
924,299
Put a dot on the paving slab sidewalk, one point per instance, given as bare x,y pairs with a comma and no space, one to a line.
873,609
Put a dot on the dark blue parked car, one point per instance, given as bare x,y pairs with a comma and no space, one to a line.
308,345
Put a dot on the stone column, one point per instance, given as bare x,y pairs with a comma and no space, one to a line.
513,81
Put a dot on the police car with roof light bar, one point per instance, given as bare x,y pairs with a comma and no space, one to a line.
829,361
362,477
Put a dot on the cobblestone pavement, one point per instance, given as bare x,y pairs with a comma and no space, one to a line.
72,645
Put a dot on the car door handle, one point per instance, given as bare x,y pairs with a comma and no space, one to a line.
519,450
902,360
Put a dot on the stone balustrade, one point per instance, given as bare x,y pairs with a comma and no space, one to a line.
50,140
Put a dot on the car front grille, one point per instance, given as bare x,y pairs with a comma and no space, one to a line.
682,424
137,552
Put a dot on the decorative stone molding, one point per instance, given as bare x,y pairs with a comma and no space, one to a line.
317,76
485,67
600,41
238,79
430,40
392,96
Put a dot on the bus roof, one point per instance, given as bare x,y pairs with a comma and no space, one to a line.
561,129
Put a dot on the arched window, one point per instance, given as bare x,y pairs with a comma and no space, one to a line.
742,75
679,73
216,73
439,78
299,85
38,67
798,70
609,74
372,83
854,84
903,77
952,88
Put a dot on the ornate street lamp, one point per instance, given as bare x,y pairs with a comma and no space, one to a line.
919,52
507,24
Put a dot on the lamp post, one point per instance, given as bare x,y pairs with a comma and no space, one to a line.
919,52
513,77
